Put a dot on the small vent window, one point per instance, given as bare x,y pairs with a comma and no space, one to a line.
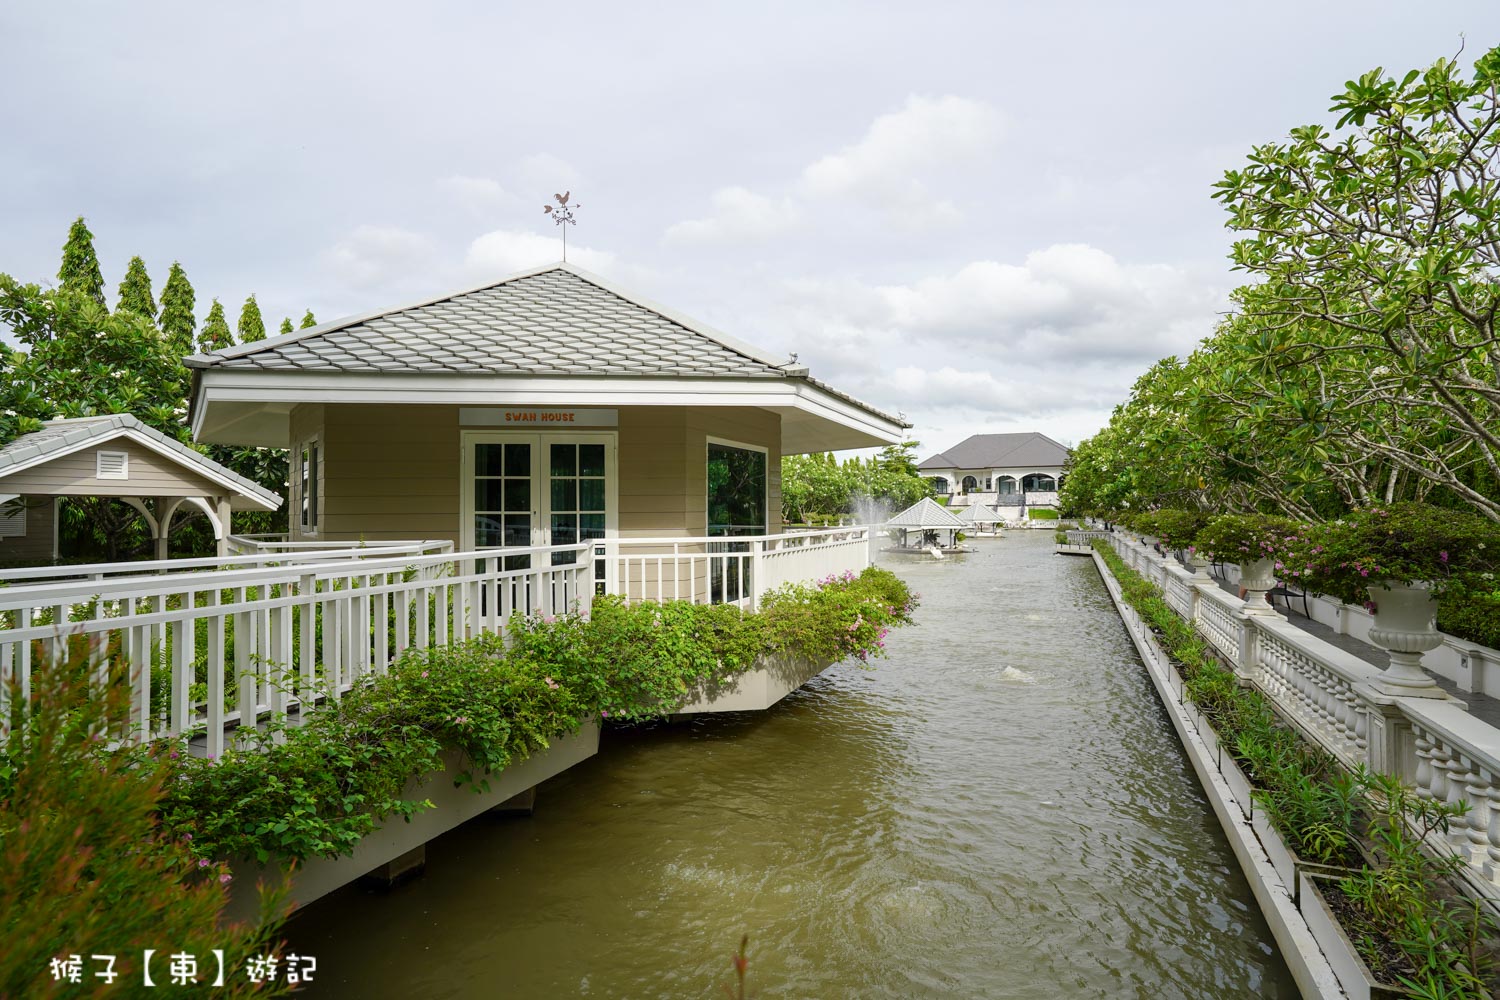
112,465
13,520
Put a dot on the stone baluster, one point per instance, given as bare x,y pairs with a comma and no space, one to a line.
1459,776
1437,788
1481,804
1491,865
1424,760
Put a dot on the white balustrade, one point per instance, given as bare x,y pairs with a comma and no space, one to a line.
1449,755
733,569
1458,759
233,645
276,554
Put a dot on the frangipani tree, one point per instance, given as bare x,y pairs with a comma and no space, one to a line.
1378,246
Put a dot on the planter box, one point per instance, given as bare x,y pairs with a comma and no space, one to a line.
755,690
1239,783
1287,862
452,806
1353,974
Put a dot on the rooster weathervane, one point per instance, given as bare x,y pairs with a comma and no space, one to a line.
562,215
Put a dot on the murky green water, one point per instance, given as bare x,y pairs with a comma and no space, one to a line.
1000,809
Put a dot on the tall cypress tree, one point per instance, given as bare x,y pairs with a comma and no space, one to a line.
177,320
307,320
215,333
135,290
286,326
252,326
80,265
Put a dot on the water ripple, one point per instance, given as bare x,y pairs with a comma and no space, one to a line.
1000,809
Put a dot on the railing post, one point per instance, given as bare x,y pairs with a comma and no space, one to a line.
757,561
1390,742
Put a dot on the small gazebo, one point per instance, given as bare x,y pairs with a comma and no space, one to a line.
983,517
112,456
932,520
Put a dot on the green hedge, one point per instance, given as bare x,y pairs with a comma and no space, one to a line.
1042,514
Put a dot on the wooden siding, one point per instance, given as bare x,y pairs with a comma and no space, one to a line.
36,545
390,472
150,473
393,471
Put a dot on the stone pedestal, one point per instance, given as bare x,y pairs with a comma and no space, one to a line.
397,870
520,804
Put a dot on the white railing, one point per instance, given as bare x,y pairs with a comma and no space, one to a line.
1334,698
226,643
737,569
281,555
202,650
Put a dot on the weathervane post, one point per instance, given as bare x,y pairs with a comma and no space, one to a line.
562,215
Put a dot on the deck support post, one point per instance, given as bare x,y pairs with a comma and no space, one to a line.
519,804
398,870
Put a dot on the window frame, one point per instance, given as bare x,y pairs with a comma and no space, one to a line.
765,501
309,466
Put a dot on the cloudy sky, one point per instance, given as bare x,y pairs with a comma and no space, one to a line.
990,216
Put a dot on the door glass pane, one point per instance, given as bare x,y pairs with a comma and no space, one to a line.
518,530
487,459
591,460
592,526
565,460
565,494
518,460
487,494
517,495
564,529
487,531
590,494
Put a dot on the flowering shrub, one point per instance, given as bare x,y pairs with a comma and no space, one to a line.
1242,538
1178,529
1452,551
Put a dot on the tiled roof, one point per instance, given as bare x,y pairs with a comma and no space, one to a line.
980,514
1000,451
551,322
60,437
925,513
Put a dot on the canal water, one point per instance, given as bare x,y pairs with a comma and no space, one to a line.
999,809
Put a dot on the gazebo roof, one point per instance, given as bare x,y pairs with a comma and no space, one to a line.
60,438
925,513
980,513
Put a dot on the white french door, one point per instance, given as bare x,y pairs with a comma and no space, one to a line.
523,489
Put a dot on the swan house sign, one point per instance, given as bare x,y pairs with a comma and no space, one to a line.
496,416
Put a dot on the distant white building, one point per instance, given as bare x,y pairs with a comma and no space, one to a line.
1010,472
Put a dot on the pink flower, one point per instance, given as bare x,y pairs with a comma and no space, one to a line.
202,862
604,712
424,673
1443,556
226,878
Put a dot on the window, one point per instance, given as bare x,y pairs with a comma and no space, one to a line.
308,485
736,506
1039,482
1007,485
736,490
970,484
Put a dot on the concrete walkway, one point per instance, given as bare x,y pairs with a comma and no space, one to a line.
1481,706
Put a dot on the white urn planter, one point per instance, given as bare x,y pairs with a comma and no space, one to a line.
1406,627
1257,578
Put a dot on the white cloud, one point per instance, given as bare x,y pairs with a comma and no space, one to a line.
883,166
477,194
374,255
739,215
506,251
889,170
